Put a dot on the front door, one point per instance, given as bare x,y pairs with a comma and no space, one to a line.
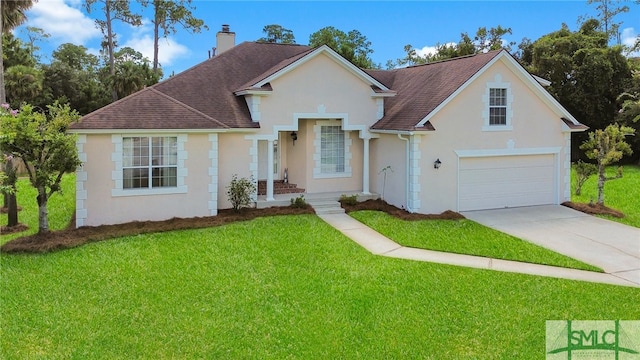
262,160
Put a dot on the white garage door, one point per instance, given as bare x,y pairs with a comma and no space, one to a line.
506,181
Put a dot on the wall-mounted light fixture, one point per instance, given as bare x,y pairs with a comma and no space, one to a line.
294,137
437,163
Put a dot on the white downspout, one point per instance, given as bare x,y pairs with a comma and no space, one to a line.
407,178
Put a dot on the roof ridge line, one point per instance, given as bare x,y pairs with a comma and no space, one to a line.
189,108
451,59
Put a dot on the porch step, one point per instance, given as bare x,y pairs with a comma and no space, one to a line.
279,187
324,207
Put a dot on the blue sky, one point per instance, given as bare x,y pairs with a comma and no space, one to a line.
389,25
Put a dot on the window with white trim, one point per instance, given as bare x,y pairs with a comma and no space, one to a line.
497,113
497,106
331,149
332,144
149,162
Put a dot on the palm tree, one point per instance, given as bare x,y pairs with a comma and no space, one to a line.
12,14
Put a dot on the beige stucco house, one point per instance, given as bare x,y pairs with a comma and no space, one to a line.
476,132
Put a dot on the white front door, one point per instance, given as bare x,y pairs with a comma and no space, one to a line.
262,160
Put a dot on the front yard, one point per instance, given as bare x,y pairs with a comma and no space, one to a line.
275,287
621,194
280,287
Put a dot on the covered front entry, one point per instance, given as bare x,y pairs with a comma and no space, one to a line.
317,155
495,182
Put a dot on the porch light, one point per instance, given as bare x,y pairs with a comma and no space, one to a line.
437,163
294,137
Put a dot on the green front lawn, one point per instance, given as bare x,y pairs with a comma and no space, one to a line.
61,207
278,287
621,194
463,237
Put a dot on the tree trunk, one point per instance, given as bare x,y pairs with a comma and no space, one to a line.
110,48
43,216
601,179
11,201
156,31
3,94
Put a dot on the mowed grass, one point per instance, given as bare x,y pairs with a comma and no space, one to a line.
463,237
61,207
278,287
621,194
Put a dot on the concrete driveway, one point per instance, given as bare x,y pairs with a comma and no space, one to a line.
606,244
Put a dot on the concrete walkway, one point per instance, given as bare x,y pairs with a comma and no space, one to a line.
611,246
378,244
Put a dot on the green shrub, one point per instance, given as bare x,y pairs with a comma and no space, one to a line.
350,200
240,191
299,202
583,173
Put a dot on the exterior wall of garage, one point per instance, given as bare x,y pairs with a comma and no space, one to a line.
461,132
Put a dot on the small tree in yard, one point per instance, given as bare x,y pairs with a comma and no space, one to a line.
607,147
584,171
48,152
240,192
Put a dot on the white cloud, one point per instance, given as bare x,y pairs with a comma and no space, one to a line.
63,22
629,38
168,50
431,50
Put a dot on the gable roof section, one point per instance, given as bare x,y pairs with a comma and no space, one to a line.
205,89
422,88
147,109
291,64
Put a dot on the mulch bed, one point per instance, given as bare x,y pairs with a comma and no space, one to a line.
402,214
593,209
72,237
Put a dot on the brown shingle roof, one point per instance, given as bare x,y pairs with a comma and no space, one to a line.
420,89
203,96
206,88
148,109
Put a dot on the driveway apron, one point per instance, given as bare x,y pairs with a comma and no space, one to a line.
612,246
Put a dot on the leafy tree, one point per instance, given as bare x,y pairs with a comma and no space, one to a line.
168,14
586,74
483,41
35,35
12,14
16,52
277,34
353,46
584,170
132,72
607,11
74,77
113,10
48,152
24,84
607,147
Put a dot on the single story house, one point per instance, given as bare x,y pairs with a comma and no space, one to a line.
476,132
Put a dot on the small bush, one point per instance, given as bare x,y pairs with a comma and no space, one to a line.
350,200
240,191
299,202
583,173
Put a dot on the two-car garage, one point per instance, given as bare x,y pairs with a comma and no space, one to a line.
493,182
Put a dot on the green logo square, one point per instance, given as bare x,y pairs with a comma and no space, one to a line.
592,339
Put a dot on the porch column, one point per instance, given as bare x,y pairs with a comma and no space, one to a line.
270,170
365,166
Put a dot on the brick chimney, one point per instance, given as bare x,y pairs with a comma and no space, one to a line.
225,40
